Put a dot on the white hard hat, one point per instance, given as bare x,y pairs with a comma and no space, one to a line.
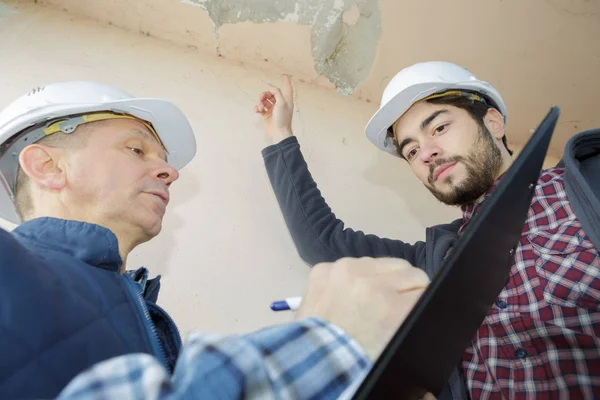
64,105
416,83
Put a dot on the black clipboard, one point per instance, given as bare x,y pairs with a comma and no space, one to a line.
431,341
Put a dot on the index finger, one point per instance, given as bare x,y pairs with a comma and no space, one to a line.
288,90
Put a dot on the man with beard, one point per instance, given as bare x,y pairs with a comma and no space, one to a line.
540,339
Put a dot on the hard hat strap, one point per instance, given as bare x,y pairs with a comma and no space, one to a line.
10,150
471,95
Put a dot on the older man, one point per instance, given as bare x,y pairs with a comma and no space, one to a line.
86,170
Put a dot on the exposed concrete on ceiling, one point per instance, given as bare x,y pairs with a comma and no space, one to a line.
344,33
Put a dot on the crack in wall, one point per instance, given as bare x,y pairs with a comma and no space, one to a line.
342,51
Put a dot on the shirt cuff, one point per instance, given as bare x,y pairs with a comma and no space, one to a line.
287,142
310,358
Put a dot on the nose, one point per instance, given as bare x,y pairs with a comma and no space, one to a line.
429,151
167,174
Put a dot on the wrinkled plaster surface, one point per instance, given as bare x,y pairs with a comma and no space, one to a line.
344,33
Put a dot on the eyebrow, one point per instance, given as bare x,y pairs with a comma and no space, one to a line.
430,119
145,135
426,122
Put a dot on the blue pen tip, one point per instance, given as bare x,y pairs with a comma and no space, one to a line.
280,306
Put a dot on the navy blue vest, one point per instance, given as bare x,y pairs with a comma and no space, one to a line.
64,307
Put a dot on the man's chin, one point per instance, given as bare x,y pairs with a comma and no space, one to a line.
150,226
154,229
456,197
446,198
447,194
441,189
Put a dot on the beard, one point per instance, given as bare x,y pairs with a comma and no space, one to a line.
483,163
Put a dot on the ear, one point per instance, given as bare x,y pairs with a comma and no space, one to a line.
494,121
40,163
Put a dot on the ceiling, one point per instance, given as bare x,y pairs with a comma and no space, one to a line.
537,53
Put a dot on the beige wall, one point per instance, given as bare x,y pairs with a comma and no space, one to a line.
538,53
224,252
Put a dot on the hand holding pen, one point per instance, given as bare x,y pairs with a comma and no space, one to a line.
368,298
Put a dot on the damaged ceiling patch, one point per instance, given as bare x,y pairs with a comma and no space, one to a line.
344,35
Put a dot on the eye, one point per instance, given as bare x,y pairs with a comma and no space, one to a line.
441,129
412,154
137,151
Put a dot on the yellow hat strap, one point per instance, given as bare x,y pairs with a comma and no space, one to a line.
69,125
471,95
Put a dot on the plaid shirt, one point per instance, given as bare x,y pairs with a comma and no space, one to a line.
307,359
541,338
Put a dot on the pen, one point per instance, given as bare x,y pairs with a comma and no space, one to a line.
290,303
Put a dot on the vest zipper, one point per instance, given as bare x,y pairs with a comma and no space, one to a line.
159,352
173,325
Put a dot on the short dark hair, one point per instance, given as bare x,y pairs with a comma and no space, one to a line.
476,109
